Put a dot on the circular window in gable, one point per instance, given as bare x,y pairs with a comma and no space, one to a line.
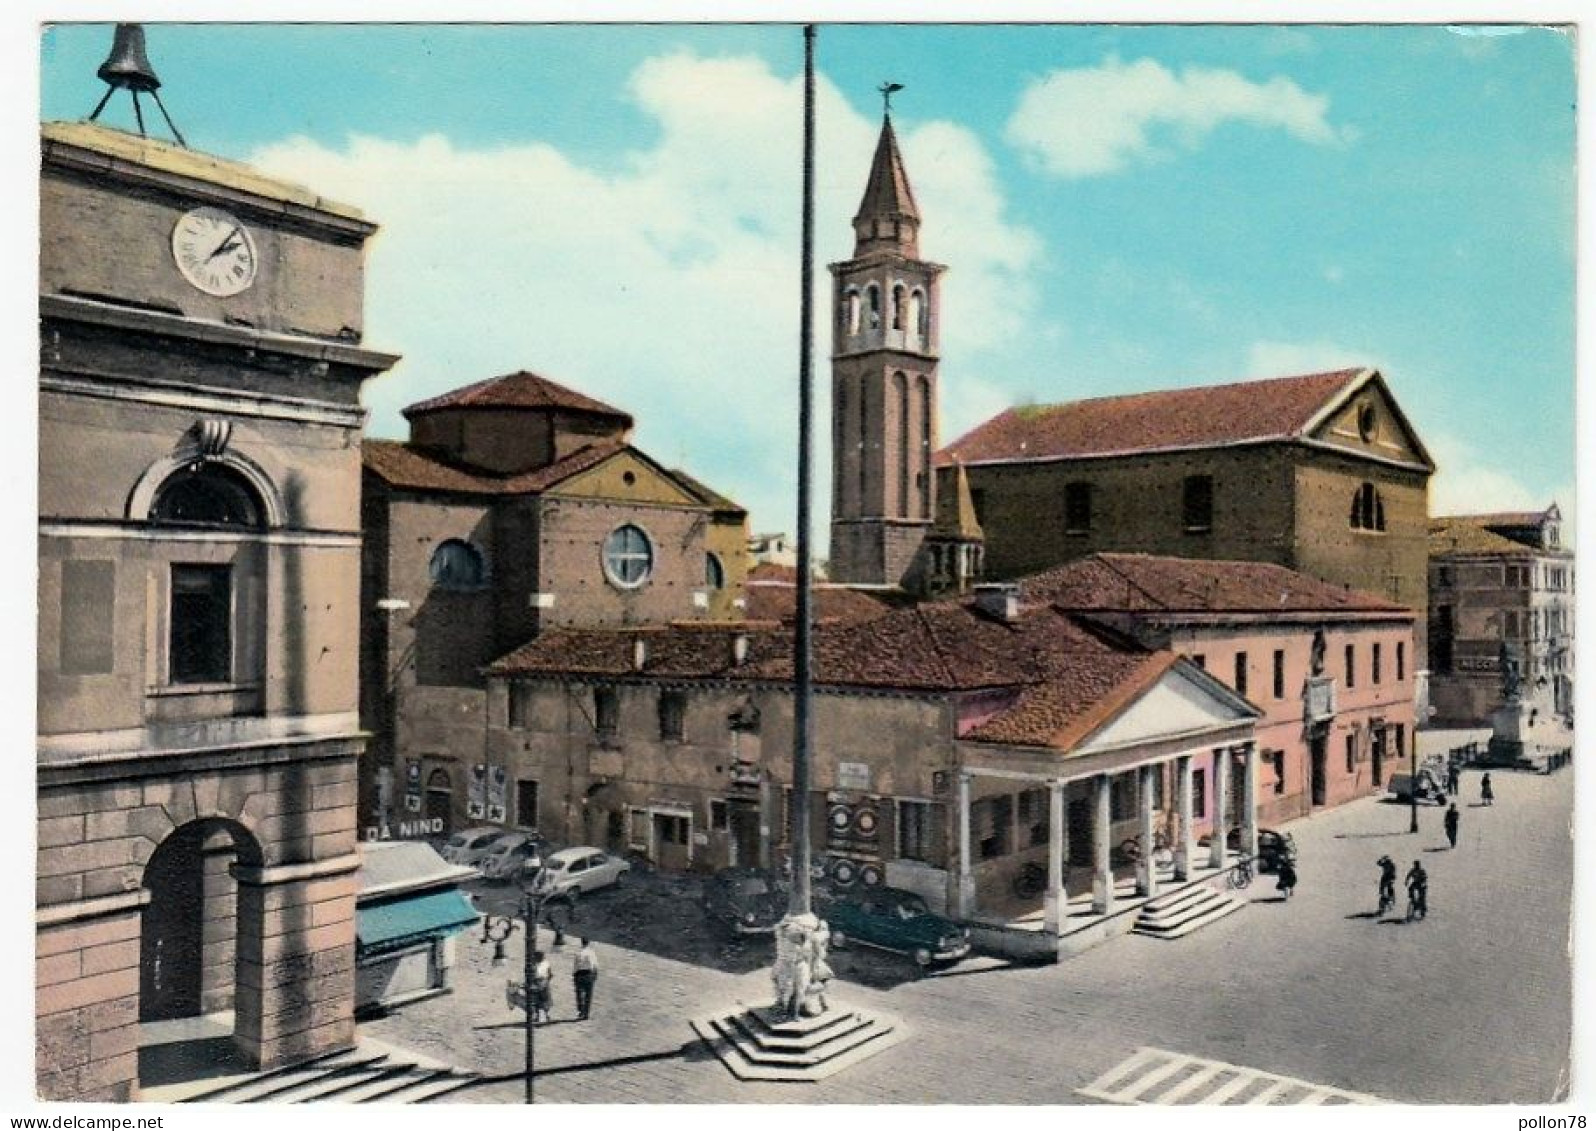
628,557
1368,421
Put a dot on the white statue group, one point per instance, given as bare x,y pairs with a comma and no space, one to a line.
801,972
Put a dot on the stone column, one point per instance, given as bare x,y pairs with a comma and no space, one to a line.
1146,870
1249,799
1102,869
966,870
1054,904
1186,842
1216,851
295,994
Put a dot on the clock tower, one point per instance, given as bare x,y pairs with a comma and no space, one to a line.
883,384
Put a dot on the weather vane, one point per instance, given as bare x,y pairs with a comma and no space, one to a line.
888,89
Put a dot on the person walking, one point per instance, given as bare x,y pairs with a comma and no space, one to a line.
541,997
1418,892
584,972
1454,777
1388,871
1487,795
1450,821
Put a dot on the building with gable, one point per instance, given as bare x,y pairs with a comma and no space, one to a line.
1499,581
516,505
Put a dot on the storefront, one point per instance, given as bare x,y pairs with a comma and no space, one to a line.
409,909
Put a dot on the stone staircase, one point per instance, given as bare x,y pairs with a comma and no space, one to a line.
1182,912
755,1044
359,1075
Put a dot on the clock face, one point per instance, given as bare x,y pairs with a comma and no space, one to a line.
214,251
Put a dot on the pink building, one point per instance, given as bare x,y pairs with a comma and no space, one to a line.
1331,668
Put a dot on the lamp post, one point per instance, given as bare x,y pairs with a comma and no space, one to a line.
497,928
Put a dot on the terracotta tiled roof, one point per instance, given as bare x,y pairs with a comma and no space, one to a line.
402,465
1465,536
771,594
1067,677
1276,409
1147,583
518,390
1500,518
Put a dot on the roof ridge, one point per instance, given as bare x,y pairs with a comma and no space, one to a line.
1130,581
1175,390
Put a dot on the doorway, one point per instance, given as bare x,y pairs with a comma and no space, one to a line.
172,934
742,828
1318,769
1379,754
672,840
1079,819
440,803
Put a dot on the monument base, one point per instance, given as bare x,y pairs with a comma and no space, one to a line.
760,1044
1529,735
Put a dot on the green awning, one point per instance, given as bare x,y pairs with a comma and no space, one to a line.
417,918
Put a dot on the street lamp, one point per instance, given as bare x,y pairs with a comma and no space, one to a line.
535,891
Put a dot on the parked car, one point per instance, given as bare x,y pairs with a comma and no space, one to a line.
745,901
511,853
1272,845
469,846
1403,787
896,920
578,871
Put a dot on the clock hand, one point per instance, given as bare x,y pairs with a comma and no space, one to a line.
227,244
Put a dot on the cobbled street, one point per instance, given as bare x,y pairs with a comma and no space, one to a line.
1470,1006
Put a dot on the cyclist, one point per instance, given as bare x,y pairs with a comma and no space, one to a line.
1418,891
1388,871
1286,875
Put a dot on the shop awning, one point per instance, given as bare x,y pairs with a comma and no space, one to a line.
416,918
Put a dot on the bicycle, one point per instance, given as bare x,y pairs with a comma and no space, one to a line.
1387,901
1417,905
1163,851
1240,875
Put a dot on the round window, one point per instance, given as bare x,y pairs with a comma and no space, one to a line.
458,565
1368,421
628,557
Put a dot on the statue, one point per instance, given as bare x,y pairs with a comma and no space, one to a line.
1507,660
1316,657
801,973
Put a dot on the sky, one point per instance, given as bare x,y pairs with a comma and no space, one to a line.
1120,208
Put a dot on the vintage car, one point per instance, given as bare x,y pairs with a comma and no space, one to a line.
572,872
510,855
1425,787
745,901
469,846
899,921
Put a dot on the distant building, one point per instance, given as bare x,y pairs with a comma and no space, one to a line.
516,505
775,549
955,743
1326,736
1321,474
773,597
199,555
1495,580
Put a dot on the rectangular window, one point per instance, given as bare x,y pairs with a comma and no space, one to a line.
718,820
202,622
1352,752
526,804
1402,661
670,828
518,707
1197,503
672,715
1241,674
991,824
1200,660
1374,664
1033,817
1352,667
88,617
606,713
1401,740
637,829
1280,673
1199,791
919,823
1077,508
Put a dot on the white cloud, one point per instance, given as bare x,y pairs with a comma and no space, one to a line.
1089,121
668,287
1467,483
1287,359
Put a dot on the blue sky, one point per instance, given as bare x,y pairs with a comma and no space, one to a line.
1120,209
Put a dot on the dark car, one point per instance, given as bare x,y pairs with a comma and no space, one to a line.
899,921
745,901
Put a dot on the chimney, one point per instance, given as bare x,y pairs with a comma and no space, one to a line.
1001,602
639,653
739,649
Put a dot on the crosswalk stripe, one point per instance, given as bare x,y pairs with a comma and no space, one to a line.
1152,1076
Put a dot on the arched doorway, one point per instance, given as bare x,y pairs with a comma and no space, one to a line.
440,802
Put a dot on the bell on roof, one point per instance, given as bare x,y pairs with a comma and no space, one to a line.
128,68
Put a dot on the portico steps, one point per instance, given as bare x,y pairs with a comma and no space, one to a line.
1184,911
756,1044
352,1076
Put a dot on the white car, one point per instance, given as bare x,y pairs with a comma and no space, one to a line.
469,846
510,855
577,871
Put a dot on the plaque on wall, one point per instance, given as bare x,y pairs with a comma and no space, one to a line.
853,775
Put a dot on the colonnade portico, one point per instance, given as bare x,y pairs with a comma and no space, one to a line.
1221,762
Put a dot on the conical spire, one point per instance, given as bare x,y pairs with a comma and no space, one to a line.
887,217
956,510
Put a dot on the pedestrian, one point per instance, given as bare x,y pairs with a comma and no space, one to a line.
1453,777
1286,876
1487,797
540,997
1418,891
584,972
1451,820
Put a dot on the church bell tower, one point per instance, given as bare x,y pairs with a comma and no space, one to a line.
883,383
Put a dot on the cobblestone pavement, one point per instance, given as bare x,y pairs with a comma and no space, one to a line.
1470,1006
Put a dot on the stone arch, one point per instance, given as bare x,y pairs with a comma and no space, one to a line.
141,499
